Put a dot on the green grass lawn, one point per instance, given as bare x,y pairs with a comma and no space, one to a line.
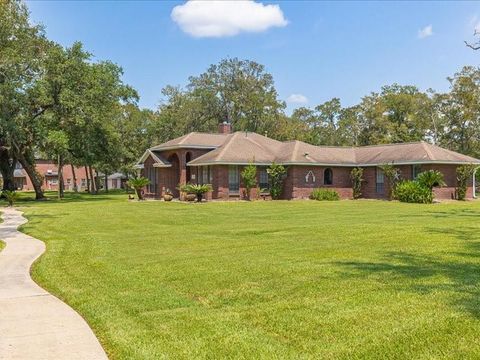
299,279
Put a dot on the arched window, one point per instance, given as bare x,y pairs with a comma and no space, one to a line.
328,177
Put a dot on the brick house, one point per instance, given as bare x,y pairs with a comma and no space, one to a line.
49,171
218,159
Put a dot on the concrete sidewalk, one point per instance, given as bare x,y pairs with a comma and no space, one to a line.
33,323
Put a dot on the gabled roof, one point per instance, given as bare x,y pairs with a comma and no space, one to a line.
158,160
194,140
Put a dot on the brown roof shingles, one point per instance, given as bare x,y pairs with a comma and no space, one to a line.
245,147
194,139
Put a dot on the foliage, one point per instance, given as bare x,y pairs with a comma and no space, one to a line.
10,196
392,174
276,175
138,184
324,194
356,175
413,192
197,189
464,175
249,177
430,179
46,87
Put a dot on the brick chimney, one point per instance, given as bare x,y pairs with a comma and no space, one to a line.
224,128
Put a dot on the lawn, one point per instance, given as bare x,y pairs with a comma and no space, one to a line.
299,279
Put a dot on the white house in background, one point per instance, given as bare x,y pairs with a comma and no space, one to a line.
117,181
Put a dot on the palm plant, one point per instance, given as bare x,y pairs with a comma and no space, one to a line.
430,179
10,196
138,184
198,190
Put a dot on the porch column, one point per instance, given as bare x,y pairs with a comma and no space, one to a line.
183,167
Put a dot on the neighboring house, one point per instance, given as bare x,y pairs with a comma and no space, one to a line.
218,159
49,171
117,181
19,178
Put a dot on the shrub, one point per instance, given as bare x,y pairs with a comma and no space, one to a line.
11,197
464,173
356,175
138,184
430,179
392,174
324,195
249,177
413,192
276,174
197,189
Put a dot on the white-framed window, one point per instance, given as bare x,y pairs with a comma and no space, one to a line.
379,182
205,175
151,175
54,181
263,178
416,169
83,183
233,179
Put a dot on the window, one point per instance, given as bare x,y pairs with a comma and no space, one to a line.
416,169
233,179
151,174
54,181
83,183
328,177
205,175
379,183
263,177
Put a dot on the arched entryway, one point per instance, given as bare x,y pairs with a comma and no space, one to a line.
173,175
188,157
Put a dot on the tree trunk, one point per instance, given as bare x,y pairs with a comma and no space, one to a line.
97,181
34,176
7,169
88,178
75,187
60,178
106,183
93,181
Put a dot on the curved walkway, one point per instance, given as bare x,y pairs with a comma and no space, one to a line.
33,323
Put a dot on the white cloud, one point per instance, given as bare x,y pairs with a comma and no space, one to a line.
425,32
297,99
226,18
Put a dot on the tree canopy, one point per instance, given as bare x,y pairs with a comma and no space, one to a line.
61,103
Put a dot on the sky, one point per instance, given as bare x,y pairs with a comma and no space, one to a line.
314,50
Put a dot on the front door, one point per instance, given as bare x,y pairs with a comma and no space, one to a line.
172,175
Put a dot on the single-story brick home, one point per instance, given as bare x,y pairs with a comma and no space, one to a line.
218,159
49,171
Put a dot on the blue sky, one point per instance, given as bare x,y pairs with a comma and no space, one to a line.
319,50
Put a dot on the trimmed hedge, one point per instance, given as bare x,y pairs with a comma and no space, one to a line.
413,192
324,195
